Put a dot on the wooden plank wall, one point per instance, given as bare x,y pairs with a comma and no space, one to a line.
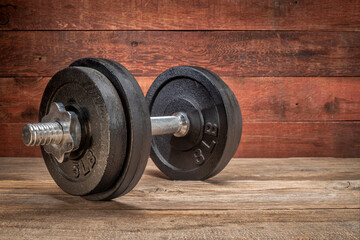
294,65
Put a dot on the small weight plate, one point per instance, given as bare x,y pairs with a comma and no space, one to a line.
215,123
137,124
96,164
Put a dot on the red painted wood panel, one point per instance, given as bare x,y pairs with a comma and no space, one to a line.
306,139
262,99
180,15
298,86
147,53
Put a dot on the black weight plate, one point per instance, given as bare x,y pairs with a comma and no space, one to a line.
95,165
215,123
137,123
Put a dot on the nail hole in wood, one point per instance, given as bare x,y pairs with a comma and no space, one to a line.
134,44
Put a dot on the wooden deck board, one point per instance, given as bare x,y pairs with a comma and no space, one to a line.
148,53
180,15
299,198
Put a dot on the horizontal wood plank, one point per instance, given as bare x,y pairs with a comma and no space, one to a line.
232,190
145,224
259,139
251,198
265,195
286,169
261,99
286,139
147,53
181,15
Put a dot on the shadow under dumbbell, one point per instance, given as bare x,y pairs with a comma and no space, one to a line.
156,173
75,202
159,174
218,182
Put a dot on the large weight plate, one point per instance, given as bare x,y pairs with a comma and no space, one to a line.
95,165
137,124
215,123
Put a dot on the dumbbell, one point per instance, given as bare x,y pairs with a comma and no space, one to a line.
95,129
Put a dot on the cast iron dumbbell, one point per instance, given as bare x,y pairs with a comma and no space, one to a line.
96,132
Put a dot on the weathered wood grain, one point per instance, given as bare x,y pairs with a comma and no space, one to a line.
154,192
162,196
315,198
287,169
180,15
305,139
261,99
294,169
259,139
147,53
202,224
11,143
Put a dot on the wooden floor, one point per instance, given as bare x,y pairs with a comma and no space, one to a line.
297,198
